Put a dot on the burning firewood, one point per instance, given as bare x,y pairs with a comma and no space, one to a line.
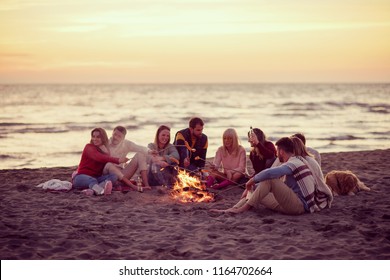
190,189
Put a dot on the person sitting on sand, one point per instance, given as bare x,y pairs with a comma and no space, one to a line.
120,147
192,145
229,164
161,168
93,159
323,191
314,152
263,152
294,196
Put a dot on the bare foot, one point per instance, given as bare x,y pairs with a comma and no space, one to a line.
87,192
134,187
233,210
217,210
241,209
230,210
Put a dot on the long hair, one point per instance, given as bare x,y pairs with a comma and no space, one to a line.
102,135
161,128
231,133
299,147
261,137
300,136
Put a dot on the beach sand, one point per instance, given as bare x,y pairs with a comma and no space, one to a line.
40,225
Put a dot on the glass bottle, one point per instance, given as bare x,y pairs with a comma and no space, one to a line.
139,182
154,168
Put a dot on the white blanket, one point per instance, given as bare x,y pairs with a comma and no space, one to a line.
55,184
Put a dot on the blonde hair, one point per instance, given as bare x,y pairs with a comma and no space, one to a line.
231,133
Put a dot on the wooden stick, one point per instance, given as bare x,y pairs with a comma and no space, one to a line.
206,161
186,145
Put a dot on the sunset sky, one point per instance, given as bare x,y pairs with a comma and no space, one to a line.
141,41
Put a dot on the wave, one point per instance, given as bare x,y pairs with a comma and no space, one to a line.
379,108
292,114
347,137
41,130
22,128
2,156
302,106
385,133
5,124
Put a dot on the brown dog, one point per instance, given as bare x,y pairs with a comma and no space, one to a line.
344,182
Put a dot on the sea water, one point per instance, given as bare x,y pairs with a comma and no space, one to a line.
49,125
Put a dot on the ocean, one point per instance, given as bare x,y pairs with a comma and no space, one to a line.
48,125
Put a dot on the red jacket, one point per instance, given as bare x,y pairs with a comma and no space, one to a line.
268,151
93,161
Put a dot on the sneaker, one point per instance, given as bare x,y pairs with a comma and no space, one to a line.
98,189
107,188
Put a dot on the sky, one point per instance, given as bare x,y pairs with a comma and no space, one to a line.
194,41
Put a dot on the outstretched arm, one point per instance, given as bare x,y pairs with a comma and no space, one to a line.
180,145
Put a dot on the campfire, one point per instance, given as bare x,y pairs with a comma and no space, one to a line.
190,189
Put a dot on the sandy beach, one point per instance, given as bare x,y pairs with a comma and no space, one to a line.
40,225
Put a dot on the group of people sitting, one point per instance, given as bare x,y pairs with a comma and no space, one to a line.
287,178
104,160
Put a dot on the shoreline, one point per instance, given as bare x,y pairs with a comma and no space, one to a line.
41,225
208,159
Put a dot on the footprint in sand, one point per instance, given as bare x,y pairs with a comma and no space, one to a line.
268,221
244,240
213,236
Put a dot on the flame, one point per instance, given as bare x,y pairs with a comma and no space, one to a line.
190,189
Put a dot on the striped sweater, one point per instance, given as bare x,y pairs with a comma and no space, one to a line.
315,197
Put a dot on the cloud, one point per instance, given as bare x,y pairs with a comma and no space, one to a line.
77,28
186,18
95,64
17,61
14,55
11,5
243,27
16,58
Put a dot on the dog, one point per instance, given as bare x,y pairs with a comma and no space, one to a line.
344,182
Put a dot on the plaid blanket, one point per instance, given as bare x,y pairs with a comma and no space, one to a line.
314,197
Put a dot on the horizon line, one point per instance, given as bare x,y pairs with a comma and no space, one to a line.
186,83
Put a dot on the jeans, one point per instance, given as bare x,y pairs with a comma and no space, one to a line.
161,177
82,181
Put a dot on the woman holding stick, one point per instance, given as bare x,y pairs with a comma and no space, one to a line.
161,168
229,164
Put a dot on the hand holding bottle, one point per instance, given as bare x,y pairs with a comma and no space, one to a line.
253,137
